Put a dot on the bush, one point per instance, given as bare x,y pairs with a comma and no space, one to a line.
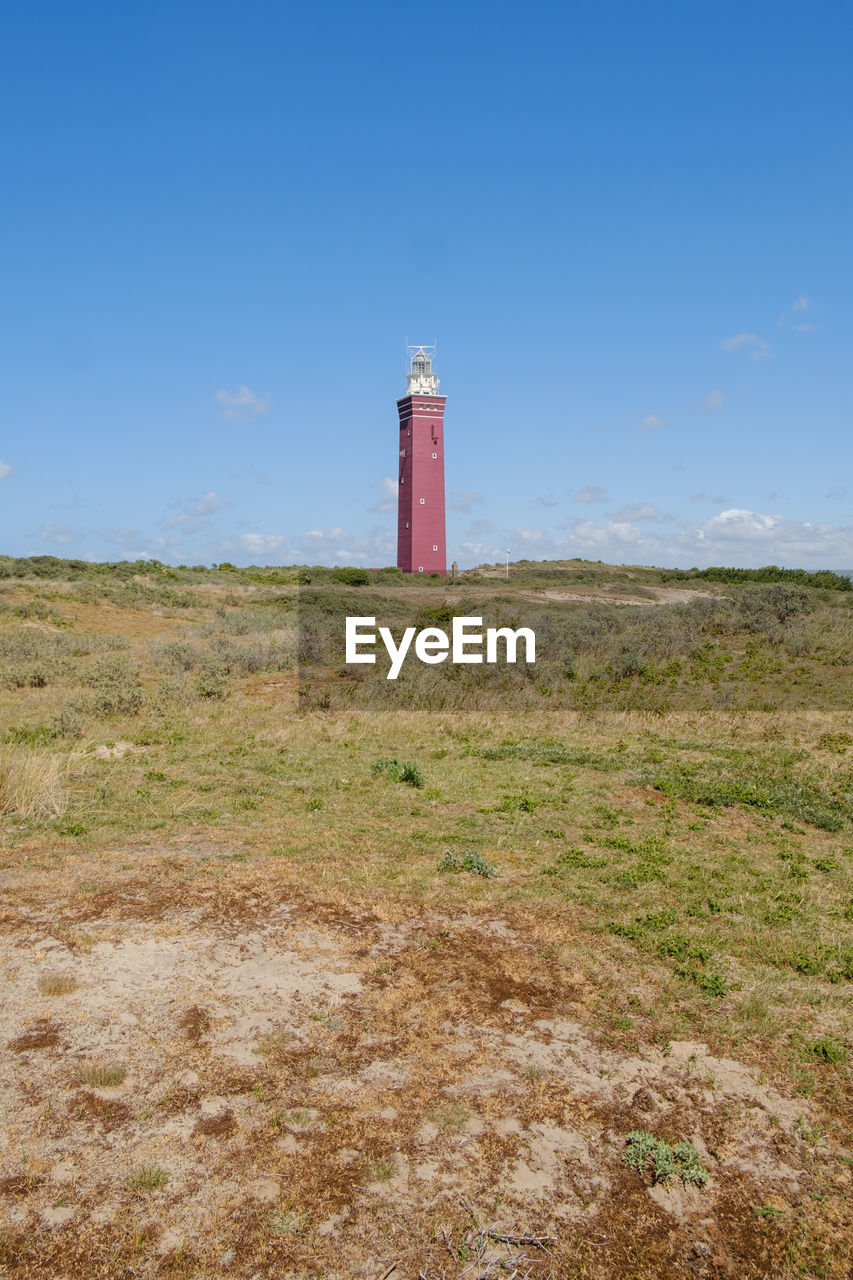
469,861
180,655
822,578
352,577
116,685
828,1050
71,720
648,1154
399,771
212,682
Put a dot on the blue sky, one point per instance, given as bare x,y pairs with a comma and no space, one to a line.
627,227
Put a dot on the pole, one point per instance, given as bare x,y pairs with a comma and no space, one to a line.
507,564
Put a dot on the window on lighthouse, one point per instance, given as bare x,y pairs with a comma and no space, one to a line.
435,455
435,546
422,501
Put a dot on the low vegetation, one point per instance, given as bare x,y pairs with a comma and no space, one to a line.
664,1161
659,815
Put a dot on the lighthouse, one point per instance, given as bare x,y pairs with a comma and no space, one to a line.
421,545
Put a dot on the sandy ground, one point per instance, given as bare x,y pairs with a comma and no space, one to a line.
324,1091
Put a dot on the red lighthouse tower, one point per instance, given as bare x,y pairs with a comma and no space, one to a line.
421,546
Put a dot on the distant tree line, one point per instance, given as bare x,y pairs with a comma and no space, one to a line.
824,578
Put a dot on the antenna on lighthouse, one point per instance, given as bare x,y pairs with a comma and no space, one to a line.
420,378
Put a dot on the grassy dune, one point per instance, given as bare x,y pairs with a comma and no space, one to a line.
650,834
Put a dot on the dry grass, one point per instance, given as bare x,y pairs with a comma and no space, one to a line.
56,984
102,1075
147,1177
627,897
274,1043
33,783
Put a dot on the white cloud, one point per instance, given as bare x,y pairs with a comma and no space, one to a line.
591,493
638,511
464,500
735,536
836,493
776,539
614,534
737,523
186,522
479,528
338,546
787,320
59,532
242,403
194,512
389,487
261,544
210,502
715,399
126,536
478,551
651,422
760,350
5,470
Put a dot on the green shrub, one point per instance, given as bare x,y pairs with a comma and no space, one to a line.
822,578
117,689
710,984
828,1050
578,858
469,861
648,1154
71,720
352,577
399,771
212,682
523,803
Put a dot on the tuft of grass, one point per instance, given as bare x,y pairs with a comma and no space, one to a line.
450,1118
102,1076
32,784
767,1211
523,803
648,1154
285,1222
70,829
146,1177
399,771
573,858
274,1043
381,1170
56,984
547,751
760,784
298,1117
827,1050
469,861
